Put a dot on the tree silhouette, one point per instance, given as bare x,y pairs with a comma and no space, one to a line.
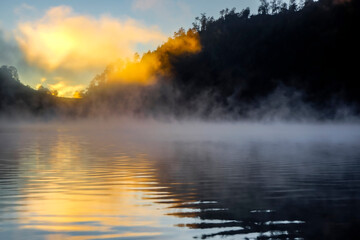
264,7
292,5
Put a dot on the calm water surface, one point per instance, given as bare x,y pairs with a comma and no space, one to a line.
214,182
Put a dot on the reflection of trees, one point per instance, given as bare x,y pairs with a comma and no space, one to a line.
239,184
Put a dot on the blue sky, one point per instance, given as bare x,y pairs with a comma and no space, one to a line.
108,26
169,15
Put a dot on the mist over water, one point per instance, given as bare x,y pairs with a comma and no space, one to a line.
145,179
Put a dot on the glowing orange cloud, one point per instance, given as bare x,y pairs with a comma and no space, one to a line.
142,72
62,89
153,64
64,40
78,94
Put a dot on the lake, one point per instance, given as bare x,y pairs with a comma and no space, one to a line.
151,180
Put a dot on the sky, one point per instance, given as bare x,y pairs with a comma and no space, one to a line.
62,45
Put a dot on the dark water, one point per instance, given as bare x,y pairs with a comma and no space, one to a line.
179,182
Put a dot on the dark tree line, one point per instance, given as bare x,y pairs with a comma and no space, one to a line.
310,47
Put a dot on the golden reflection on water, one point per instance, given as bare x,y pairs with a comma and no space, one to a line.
67,189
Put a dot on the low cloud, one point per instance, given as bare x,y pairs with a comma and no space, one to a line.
152,64
63,89
64,40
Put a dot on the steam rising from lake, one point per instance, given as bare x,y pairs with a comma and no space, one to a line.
196,130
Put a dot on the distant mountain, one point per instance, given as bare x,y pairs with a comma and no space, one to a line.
18,100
